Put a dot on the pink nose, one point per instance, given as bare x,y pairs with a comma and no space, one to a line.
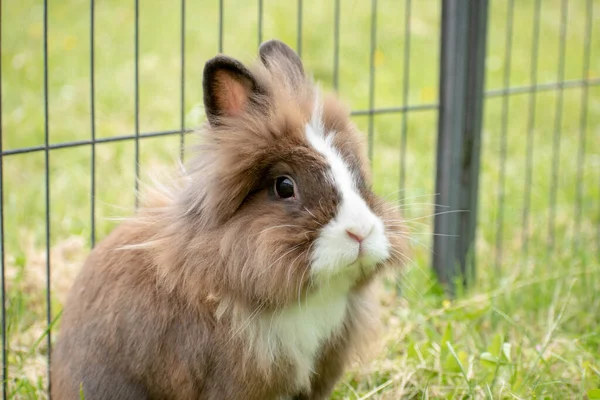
354,236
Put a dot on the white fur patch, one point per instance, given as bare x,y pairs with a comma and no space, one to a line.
298,331
334,249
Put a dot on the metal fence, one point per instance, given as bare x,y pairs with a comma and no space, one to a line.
460,109
462,100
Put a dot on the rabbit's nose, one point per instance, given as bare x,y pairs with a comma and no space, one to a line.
359,238
358,233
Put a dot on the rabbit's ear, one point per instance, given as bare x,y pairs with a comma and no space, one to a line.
275,54
228,86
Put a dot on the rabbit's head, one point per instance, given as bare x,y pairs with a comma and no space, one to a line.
279,189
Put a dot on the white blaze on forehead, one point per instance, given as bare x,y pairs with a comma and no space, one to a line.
334,248
315,132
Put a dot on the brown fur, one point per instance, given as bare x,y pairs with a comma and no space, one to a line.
169,305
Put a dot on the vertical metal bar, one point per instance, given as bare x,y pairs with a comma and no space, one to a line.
474,105
372,76
2,258
182,83
260,21
47,187
557,124
462,77
299,27
336,45
503,135
406,84
530,128
450,127
93,127
583,121
137,100
220,26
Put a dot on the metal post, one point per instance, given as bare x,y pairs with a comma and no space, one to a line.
462,71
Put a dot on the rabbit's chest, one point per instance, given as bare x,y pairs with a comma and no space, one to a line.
297,333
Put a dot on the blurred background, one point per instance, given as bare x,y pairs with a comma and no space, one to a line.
97,93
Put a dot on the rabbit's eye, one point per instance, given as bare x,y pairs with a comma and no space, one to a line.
284,187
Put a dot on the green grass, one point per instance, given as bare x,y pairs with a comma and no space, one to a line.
529,328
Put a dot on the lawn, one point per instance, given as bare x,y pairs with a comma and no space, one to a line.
528,328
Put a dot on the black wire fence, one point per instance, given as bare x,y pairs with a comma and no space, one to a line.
462,41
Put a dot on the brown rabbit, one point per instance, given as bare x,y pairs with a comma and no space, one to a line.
251,280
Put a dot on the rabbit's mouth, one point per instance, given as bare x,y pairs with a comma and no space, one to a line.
360,267
365,261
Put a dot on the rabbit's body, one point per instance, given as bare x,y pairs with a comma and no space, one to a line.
155,346
252,280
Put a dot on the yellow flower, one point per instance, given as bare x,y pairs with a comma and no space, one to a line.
379,58
427,94
69,42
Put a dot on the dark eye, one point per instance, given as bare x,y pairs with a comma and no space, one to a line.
284,187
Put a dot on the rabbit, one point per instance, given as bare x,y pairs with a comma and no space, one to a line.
252,277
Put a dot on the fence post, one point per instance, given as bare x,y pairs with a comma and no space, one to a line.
462,71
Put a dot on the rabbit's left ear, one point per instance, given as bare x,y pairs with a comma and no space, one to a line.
276,55
228,86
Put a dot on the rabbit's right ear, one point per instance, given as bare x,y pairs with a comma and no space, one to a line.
277,55
228,86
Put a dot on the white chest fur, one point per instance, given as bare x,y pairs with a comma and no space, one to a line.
297,332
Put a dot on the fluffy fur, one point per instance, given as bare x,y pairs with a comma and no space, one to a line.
220,288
